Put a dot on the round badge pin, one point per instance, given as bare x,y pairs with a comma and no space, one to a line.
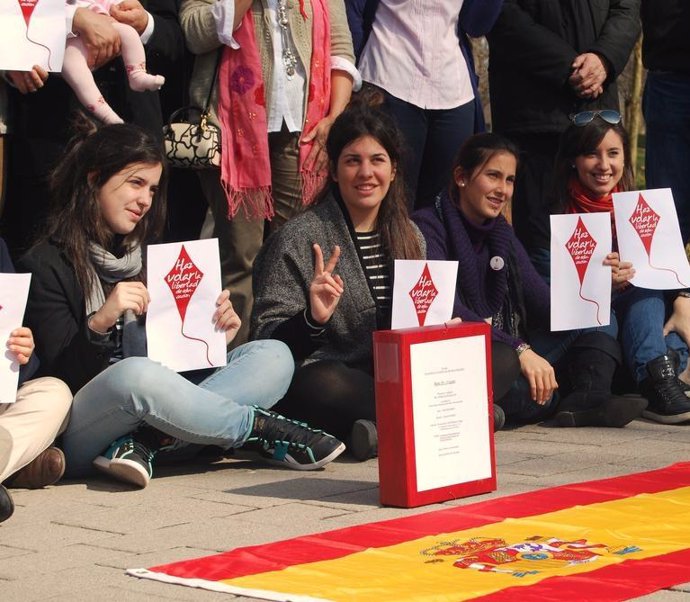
497,263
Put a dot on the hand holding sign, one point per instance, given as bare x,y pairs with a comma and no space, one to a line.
125,296
325,289
21,343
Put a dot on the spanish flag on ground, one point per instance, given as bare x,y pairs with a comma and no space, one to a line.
613,539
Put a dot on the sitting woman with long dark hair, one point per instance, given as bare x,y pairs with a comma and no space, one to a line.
322,283
498,284
87,291
593,161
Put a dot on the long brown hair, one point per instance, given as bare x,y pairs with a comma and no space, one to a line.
398,236
92,157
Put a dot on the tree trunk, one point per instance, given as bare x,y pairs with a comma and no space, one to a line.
634,105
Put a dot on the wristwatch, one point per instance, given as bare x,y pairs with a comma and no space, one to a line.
521,348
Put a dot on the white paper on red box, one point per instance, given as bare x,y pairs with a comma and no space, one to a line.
423,292
450,406
32,32
649,236
580,282
14,291
184,282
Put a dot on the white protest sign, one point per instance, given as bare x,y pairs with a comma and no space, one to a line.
32,32
423,292
580,283
184,282
649,236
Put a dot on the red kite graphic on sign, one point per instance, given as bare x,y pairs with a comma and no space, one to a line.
27,7
645,222
423,294
183,280
581,246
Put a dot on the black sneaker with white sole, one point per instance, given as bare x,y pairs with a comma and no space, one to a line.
127,460
291,443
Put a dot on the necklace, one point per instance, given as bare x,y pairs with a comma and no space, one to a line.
289,58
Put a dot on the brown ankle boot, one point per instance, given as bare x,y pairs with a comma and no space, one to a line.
46,469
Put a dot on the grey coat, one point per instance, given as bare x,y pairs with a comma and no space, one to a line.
284,269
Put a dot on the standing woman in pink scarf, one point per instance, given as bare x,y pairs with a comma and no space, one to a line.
286,71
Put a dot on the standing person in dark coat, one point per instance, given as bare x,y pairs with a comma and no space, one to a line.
666,53
42,109
548,59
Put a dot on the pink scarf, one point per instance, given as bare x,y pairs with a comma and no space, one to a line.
245,168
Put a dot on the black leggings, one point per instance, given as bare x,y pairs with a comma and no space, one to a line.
330,395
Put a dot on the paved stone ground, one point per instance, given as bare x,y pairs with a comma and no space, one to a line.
74,541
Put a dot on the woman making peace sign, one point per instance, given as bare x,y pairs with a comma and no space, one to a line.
322,284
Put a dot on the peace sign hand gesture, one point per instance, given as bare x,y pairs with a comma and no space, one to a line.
325,289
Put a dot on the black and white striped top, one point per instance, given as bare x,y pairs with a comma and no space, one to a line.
376,268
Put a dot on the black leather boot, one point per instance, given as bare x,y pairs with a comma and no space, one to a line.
591,363
667,401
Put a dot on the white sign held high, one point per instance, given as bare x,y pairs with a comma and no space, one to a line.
184,282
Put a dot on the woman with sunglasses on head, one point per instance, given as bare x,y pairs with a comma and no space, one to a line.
593,161
322,284
87,294
497,283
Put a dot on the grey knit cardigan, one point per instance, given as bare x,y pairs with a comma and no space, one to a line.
284,269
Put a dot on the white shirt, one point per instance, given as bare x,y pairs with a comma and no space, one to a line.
287,94
413,53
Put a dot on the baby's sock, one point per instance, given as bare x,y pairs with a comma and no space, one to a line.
140,81
104,112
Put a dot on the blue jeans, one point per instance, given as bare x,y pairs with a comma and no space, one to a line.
641,314
433,138
138,391
666,107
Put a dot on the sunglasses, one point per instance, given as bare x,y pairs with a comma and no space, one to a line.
585,117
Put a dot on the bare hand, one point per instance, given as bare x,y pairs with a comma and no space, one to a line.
28,81
21,343
679,322
325,289
100,38
540,375
225,318
621,271
125,296
588,76
132,13
317,160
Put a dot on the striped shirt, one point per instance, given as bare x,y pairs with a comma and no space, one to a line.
376,268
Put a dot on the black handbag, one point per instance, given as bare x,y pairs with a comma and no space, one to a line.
191,142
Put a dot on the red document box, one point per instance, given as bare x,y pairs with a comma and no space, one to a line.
434,413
